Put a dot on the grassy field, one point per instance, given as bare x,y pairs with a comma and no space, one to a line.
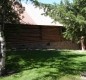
44,65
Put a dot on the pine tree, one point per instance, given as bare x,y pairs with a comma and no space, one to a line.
72,15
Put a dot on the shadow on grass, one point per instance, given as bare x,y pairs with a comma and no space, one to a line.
61,61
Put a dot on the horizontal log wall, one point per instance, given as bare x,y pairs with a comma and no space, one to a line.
32,33
33,36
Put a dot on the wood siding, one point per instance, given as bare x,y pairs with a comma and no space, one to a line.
35,36
29,33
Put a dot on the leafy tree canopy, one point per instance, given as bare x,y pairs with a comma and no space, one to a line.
71,15
7,11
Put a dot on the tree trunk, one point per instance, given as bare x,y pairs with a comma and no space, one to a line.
2,41
82,43
2,54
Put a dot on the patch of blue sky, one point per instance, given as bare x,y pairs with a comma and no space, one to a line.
48,1
51,1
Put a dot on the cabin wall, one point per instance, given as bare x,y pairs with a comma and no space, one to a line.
35,37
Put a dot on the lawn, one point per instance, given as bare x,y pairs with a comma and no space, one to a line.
44,65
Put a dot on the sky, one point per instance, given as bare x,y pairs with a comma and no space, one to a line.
50,1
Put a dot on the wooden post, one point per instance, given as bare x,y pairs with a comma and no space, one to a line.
40,28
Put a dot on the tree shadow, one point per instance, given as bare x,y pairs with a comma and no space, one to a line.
62,62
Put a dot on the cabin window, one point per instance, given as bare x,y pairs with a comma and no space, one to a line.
48,44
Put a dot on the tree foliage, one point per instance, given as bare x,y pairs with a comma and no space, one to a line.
7,10
71,15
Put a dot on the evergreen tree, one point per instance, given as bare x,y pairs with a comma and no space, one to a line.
71,15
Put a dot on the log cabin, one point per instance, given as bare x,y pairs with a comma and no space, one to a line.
36,31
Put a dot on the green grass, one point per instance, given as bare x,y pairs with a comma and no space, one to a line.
44,65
